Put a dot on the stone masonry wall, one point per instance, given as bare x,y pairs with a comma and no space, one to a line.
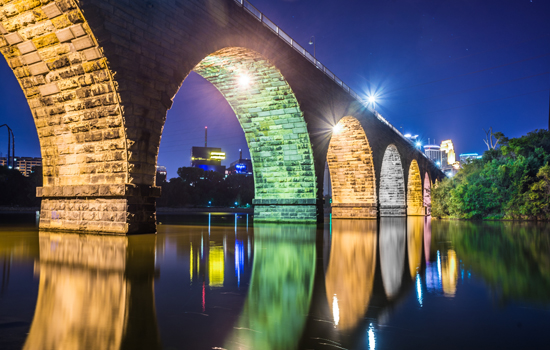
392,184
274,128
415,200
351,172
427,194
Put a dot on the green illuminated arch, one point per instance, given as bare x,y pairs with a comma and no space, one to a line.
274,128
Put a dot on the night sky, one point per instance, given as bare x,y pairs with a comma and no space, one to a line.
440,69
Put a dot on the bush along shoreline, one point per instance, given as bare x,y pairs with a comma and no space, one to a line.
511,182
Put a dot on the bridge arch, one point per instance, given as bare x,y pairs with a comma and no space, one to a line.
428,194
392,184
415,200
352,175
275,131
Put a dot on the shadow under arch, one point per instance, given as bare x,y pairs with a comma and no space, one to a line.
281,288
392,184
392,253
415,200
351,169
275,131
95,292
350,275
428,194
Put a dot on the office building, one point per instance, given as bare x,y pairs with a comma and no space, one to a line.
465,157
208,159
24,164
241,166
433,152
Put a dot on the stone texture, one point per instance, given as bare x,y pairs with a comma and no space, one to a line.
351,172
392,184
415,200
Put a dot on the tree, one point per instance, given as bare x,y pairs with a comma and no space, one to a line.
489,136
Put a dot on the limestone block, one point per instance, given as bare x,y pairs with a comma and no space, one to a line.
49,89
51,10
65,35
31,58
83,43
2,29
13,38
38,69
77,30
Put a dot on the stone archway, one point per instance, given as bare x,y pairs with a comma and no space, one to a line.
392,184
428,194
351,171
415,200
99,119
275,130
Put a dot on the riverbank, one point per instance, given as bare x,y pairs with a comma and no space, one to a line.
19,210
162,211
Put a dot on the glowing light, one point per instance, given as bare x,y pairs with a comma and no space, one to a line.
418,290
244,80
372,99
418,144
408,136
335,310
372,339
337,128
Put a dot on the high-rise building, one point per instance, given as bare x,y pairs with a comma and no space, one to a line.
433,152
449,165
24,164
208,158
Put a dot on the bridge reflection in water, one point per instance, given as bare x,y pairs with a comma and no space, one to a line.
95,292
227,290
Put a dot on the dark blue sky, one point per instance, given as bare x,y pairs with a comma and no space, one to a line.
442,69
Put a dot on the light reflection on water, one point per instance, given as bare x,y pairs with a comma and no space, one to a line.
352,284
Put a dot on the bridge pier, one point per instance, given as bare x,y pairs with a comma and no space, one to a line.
100,209
416,211
285,210
354,211
393,210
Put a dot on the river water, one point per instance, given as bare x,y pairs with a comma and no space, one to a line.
219,282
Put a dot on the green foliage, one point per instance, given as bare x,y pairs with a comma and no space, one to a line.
510,182
196,187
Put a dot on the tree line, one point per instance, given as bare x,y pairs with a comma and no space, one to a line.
509,182
195,187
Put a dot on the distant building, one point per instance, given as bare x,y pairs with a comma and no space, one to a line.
449,165
433,152
464,157
24,164
208,159
241,166
161,174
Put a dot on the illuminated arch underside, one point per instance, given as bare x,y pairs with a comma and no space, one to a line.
274,128
351,172
415,200
428,194
392,185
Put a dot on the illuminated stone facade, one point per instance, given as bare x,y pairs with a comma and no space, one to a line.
100,76
415,200
274,127
351,172
392,184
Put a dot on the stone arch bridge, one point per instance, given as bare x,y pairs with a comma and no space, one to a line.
100,76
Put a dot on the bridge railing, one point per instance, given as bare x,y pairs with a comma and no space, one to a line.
285,37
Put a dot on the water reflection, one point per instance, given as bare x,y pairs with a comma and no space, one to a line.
415,231
280,290
95,292
350,274
392,253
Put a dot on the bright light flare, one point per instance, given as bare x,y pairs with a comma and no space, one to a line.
337,128
244,80
372,99
418,144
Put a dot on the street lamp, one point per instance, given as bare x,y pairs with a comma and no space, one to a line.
312,42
